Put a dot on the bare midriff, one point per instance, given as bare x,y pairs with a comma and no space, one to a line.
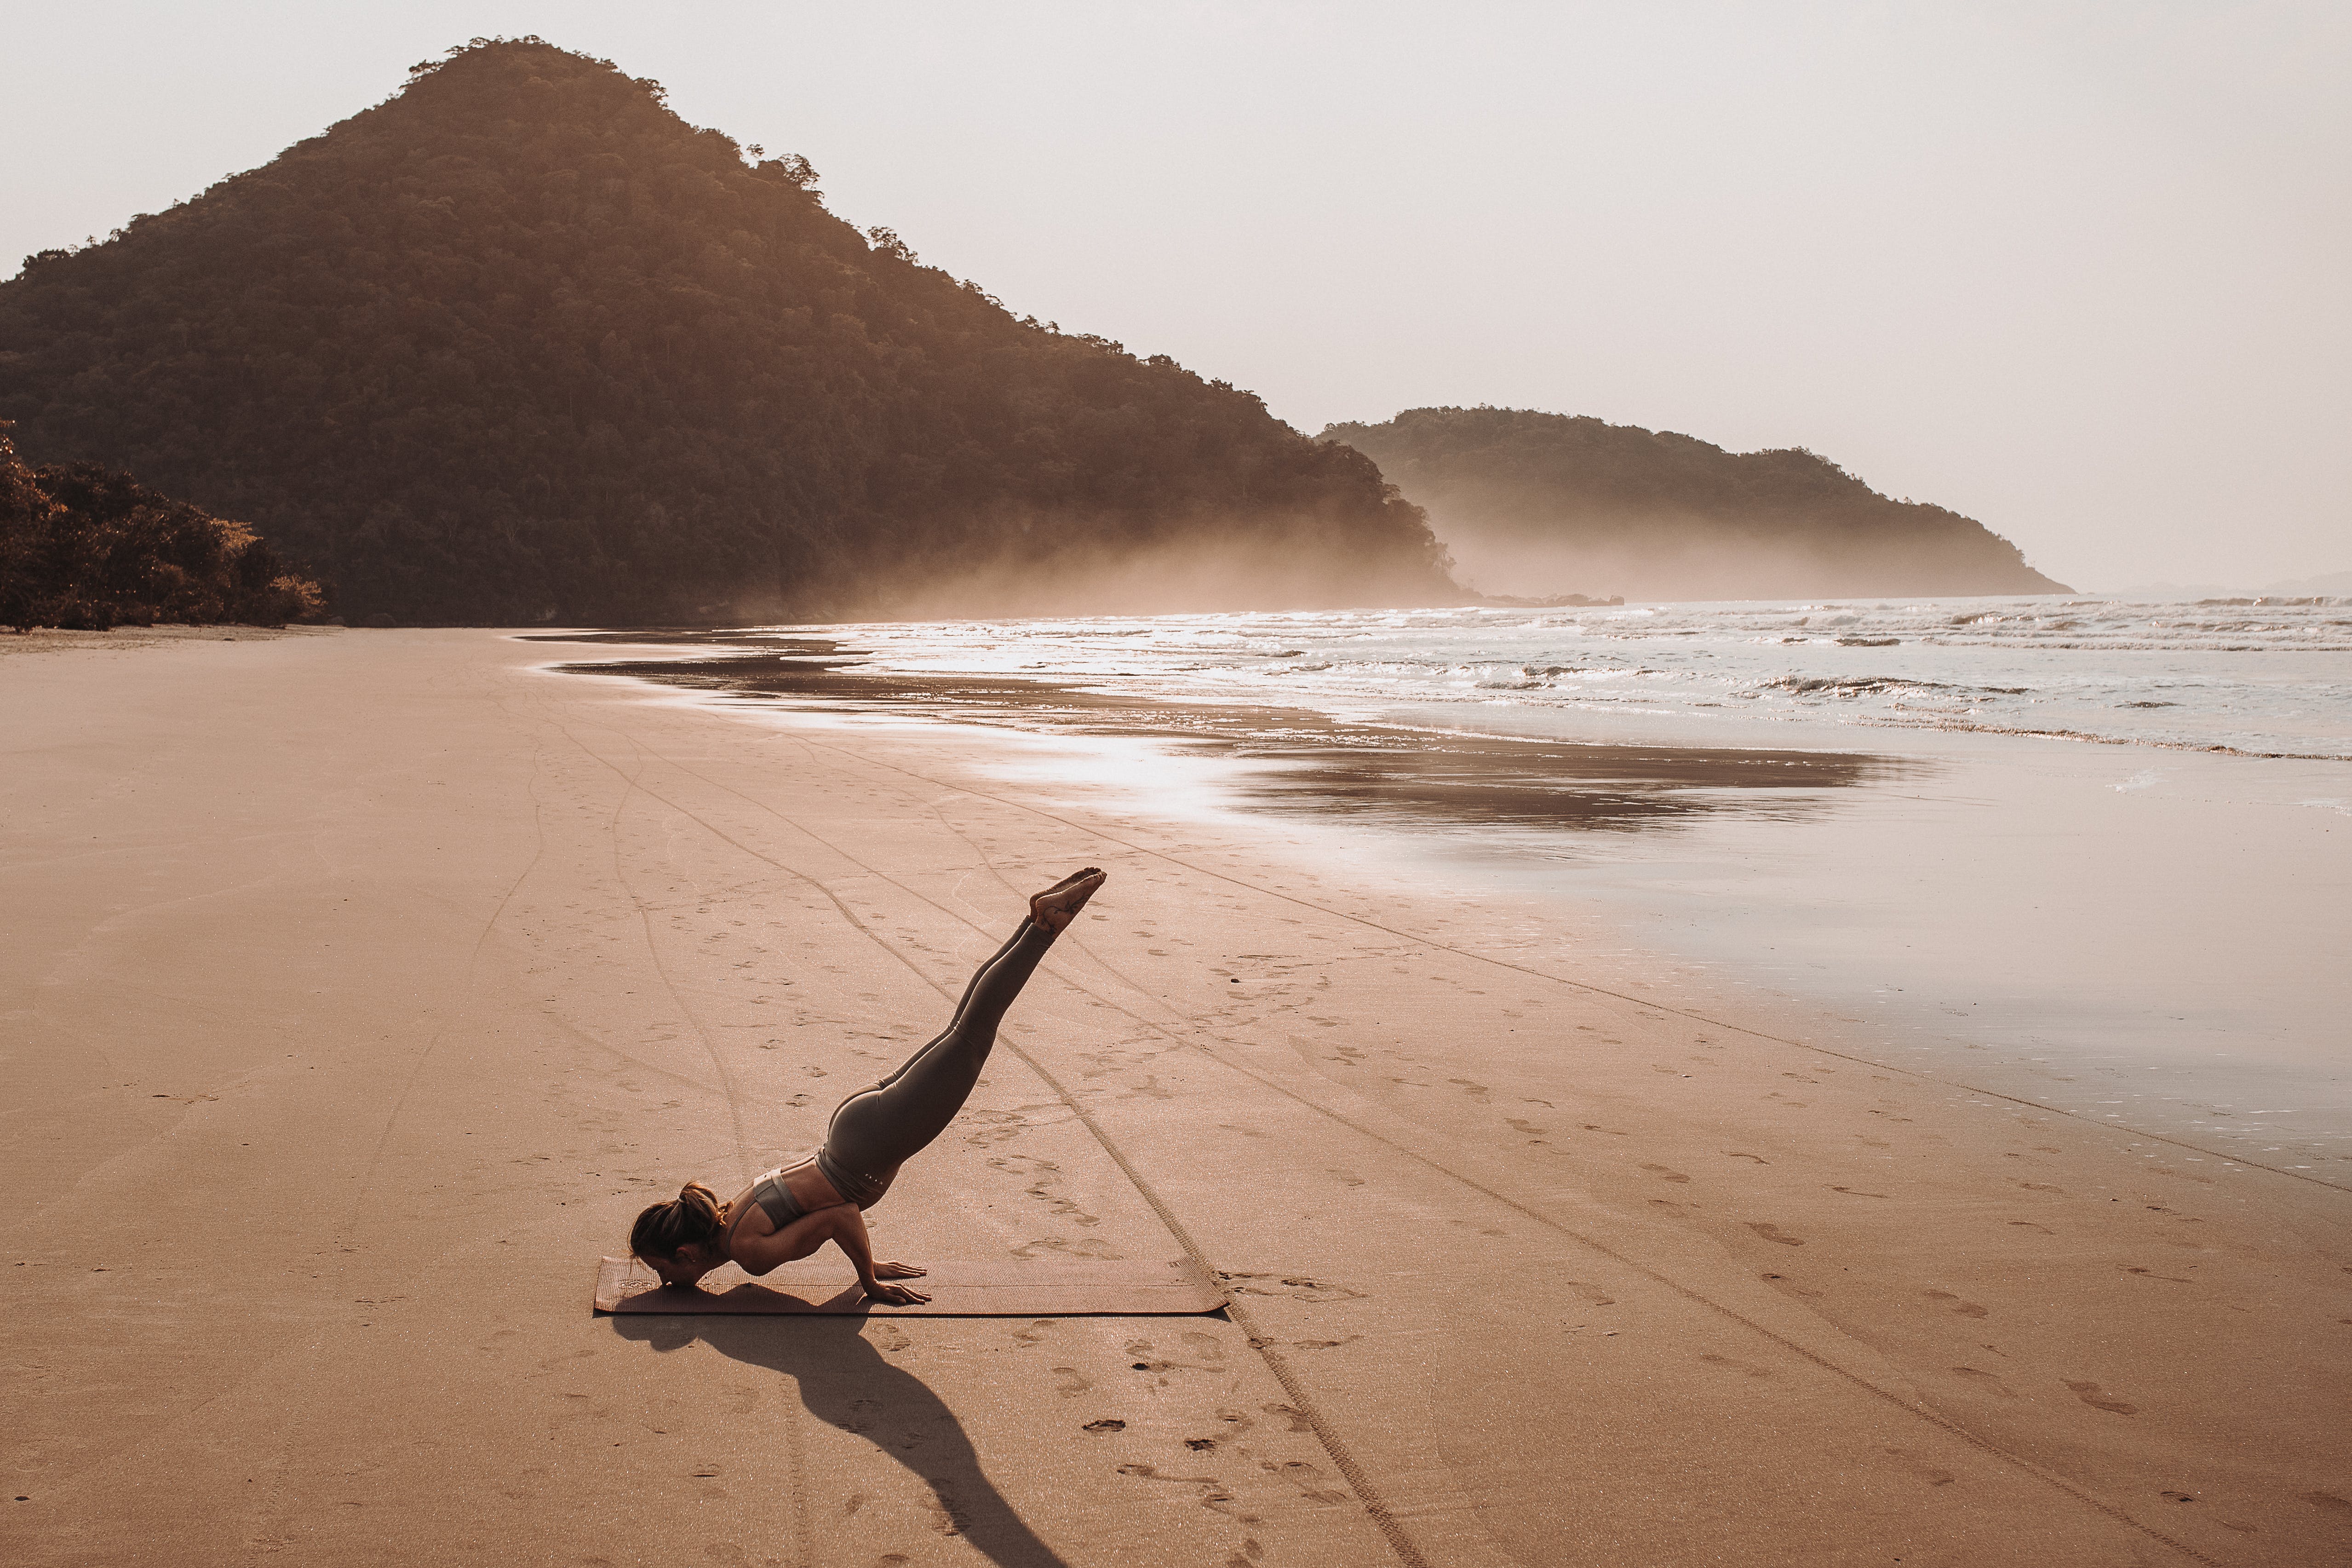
806,1184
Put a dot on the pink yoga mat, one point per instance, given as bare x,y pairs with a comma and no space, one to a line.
1010,1289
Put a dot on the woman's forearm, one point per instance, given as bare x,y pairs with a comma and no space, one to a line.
849,1235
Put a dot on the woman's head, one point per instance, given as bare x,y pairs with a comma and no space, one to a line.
679,1237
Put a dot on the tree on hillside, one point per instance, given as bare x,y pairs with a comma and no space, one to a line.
86,548
520,343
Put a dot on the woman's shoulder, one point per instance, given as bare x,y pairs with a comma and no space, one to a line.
744,1212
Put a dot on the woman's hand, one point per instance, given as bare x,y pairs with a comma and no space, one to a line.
892,1295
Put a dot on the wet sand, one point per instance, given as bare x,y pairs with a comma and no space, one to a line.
1292,762
2146,938
360,988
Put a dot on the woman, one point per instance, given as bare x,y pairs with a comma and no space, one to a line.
792,1210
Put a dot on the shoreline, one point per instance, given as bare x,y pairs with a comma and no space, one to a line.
1671,834
394,974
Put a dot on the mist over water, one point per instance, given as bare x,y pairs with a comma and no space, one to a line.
2261,677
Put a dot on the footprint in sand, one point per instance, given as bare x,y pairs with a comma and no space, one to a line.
1089,1247
1307,1478
1296,1290
1772,1233
1933,1474
1069,1382
2088,1392
1726,1361
1347,1178
1966,1309
2151,1274
1736,1155
2031,1226
1986,1381
1666,1175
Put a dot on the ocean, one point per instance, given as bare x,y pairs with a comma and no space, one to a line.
2093,854
2260,678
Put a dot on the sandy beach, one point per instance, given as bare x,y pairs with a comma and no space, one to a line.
360,988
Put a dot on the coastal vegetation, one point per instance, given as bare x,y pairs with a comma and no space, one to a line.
1547,503
520,344
87,549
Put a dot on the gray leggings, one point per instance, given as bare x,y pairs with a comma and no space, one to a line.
878,1129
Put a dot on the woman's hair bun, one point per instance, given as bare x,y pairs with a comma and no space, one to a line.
664,1228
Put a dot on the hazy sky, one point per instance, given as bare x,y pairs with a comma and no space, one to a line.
2077,270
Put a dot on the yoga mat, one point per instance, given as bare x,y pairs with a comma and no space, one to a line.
1009,1288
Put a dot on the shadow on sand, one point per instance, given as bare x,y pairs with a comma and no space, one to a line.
846,1383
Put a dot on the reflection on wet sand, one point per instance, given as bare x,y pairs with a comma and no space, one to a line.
1307,763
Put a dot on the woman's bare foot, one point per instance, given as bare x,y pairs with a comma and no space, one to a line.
1058,905
1074,877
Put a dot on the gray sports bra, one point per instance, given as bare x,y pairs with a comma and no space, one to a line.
772,1194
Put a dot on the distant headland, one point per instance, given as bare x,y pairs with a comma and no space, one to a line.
1546,503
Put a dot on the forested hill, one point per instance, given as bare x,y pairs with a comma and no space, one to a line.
87,549
1545,502
520,344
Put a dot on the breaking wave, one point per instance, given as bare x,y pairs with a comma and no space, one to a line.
2259,676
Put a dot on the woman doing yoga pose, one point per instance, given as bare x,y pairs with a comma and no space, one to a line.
794,1209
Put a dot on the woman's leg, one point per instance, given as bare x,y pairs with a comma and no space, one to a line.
876,1130
963,1004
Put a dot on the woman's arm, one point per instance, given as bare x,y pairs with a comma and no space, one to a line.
842,1224
849,1232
